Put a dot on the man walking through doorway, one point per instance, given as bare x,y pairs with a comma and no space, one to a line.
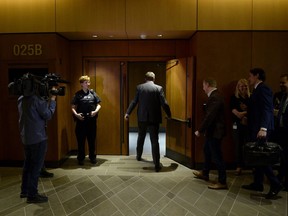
150,98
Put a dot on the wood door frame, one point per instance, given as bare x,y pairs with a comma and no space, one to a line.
124,102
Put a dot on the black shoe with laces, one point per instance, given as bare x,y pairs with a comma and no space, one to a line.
23,195
253,187
274,192
37,199
46,174
93,161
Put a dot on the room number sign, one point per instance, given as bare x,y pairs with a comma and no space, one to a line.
27,50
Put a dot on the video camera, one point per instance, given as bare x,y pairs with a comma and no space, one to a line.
30,84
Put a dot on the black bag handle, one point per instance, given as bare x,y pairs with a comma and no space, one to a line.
261,142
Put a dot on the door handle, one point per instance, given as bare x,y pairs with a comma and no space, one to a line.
187,121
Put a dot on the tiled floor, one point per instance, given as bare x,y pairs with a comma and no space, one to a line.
120,185
123,186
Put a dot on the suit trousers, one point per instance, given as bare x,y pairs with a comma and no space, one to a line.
154,138
34,160
212,151
280,137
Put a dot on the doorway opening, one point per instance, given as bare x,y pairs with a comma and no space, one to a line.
136,74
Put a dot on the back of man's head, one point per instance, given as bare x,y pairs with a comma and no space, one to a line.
260,72
211,82
150,76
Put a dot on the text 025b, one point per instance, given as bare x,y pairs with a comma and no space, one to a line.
27,50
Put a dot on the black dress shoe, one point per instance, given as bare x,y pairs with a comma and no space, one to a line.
45,174
138,158
158,168
93,161
81,163
37,199
23,195
273,192
253,187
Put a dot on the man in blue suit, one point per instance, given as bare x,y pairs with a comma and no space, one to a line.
150,98
260,125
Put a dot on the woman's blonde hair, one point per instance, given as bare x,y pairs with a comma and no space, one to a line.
84,78
242,82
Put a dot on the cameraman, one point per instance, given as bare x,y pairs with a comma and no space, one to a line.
85,108
34,111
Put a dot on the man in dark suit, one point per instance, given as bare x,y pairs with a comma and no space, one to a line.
260,125
281,131
149,97
213,125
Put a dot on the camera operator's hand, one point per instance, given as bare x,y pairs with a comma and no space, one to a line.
53,97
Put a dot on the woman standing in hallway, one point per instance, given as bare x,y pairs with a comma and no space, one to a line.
238,103
85,107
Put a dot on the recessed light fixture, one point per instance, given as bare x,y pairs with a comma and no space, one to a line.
159,35
143,36
94,36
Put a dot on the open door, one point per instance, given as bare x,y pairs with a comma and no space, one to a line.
179,94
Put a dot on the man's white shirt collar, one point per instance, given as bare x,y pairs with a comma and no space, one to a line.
209,93
257,84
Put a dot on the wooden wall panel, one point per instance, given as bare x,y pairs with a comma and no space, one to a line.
226,56
64,116
106,48
27,16
152,48
54,57
107,17
270,51
160,16
270,15
224,15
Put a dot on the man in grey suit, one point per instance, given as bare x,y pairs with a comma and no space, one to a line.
150,98
213,125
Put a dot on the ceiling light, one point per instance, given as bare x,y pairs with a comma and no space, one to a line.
94,36
159,35
143,36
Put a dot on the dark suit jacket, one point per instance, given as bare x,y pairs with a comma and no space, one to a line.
260,110
283,113
149,97
213,124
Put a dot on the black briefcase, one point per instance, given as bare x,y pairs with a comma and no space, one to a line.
261,153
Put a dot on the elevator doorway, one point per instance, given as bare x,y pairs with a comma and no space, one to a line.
136,75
